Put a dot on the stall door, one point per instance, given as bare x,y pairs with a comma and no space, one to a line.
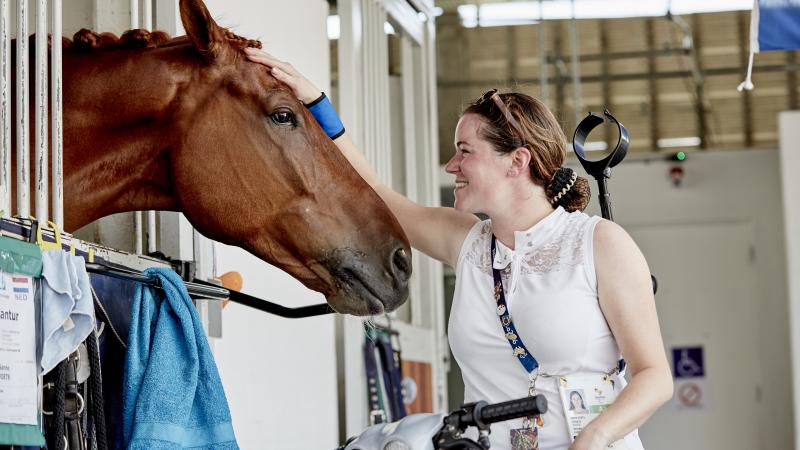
707,299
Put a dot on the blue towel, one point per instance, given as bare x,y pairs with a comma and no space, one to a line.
172,394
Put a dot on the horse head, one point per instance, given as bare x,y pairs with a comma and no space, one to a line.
243,159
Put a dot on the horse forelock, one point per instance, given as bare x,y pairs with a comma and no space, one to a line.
87,40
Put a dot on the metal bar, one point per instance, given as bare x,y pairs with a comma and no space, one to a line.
605,67
369,81
23,114
577,102
42,166
511,54
559,65
383,78
137,232
207,291
791,79
655,133
56,115
710,72
278,310
5,108
747,100
544,85
151,231
134,14
147,14
700,95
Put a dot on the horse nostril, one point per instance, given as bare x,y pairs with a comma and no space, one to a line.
401,264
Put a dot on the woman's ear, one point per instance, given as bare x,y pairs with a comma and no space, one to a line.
520,159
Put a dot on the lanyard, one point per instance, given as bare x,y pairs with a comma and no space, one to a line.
514,340
520,351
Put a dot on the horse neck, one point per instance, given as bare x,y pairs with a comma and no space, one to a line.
117,132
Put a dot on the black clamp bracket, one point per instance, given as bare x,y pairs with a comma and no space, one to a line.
600,169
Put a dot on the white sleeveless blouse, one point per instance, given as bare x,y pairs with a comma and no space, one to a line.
551,292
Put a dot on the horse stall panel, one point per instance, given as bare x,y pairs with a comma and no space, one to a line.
279,374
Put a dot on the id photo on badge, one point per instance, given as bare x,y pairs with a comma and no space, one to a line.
576,402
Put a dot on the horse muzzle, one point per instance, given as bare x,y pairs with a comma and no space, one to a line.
370,284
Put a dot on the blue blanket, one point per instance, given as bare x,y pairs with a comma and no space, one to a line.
172,394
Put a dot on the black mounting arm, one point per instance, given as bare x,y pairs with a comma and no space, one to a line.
601,169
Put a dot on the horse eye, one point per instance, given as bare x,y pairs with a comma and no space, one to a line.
283,117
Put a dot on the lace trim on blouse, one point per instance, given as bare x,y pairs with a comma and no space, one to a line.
565,250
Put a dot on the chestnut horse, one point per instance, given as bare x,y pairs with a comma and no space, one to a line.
190,125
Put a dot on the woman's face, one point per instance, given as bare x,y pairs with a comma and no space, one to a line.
576,401
478,168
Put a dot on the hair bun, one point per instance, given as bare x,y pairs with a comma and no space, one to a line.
568,190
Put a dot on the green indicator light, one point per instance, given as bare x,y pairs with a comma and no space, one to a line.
681,156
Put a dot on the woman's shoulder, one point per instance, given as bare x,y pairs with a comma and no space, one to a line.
475,248
608,233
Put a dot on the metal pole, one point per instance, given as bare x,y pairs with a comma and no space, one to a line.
147,14
23,115
56,116
5,109
134,14
147,23
42,166
576,70
137,215
543,83
151,231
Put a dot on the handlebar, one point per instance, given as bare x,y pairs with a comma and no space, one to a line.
512,409
481,415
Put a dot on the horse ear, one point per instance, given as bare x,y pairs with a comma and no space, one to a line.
202,30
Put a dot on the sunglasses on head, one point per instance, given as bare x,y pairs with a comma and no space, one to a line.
492,95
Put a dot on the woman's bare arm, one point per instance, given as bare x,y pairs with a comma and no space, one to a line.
626,299
435,231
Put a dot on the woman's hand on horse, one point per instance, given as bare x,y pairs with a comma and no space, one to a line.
303,89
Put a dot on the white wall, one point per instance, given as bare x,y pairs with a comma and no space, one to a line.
789,129
279,374
724,188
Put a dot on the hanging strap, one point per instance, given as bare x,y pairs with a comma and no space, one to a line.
54,391
392,374
520,351
96,404
74,407
373,383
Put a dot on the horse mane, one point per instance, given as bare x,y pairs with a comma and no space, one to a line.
86,40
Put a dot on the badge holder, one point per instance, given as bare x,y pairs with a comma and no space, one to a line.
601,169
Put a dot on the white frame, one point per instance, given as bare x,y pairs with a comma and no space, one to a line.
363,90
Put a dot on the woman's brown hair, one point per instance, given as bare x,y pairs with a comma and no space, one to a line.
534,127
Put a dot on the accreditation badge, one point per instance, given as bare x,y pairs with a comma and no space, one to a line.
18,366
585,396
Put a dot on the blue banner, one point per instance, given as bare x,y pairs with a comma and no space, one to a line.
778,24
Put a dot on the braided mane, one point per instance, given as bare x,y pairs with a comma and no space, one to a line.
88,40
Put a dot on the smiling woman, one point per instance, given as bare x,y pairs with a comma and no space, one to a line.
577,286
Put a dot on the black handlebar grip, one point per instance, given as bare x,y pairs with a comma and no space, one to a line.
514,409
